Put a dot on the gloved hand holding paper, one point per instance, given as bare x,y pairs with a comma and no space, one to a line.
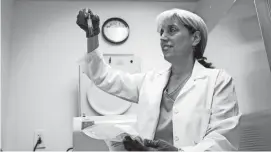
111,129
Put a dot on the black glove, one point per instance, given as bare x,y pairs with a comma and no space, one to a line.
160,145
138,144
82,22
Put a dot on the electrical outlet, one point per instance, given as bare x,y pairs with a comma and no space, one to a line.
39,133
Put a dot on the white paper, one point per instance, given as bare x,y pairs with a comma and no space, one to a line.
112,131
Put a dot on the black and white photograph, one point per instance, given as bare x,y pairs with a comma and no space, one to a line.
135,75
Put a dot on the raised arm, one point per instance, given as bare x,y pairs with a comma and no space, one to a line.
112,81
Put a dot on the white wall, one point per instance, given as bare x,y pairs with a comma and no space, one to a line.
236,45
6,24
212,11
46,44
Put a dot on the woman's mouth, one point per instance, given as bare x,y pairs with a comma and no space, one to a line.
166,47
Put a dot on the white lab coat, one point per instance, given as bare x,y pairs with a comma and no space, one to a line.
205,113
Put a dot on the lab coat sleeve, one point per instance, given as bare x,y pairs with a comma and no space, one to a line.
223,129
113,81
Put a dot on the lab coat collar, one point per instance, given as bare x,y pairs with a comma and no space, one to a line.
197,73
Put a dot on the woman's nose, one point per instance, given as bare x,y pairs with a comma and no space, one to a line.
164,37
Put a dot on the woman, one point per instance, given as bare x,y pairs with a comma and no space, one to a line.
190,106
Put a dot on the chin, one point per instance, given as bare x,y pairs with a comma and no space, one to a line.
168,57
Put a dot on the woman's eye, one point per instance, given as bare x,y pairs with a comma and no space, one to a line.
173,29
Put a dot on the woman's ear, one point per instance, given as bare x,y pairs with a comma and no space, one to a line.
196,38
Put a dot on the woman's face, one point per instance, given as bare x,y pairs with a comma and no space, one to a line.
176,41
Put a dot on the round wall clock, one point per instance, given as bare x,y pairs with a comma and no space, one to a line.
115,30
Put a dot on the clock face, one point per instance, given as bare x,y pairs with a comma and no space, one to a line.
115,30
